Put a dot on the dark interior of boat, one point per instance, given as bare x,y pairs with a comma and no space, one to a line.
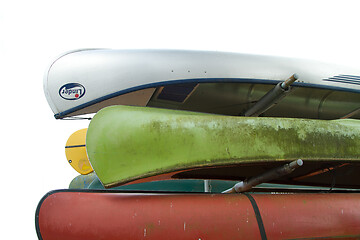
311,173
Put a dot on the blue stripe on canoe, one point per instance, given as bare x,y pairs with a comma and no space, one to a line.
202,80
345,78
349,76
342,80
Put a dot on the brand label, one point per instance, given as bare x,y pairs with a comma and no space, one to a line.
72,91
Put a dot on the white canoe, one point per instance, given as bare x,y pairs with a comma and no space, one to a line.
85,81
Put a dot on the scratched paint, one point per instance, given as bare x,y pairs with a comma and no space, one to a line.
205,217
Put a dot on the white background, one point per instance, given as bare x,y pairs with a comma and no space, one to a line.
33,33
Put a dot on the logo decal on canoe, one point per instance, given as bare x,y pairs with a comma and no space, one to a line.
72,91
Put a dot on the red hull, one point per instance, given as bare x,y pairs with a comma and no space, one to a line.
103,215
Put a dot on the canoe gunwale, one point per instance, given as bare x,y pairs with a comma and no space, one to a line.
68,112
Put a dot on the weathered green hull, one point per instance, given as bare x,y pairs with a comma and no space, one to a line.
129,143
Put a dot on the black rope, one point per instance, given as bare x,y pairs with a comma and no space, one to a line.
258,216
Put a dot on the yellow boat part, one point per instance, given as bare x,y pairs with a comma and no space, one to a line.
75,150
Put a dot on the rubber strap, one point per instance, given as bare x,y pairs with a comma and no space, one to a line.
258,216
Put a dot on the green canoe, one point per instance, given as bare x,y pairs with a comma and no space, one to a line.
130,143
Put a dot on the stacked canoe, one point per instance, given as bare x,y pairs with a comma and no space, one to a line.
174,129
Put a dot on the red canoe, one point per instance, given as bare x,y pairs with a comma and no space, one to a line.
70,215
